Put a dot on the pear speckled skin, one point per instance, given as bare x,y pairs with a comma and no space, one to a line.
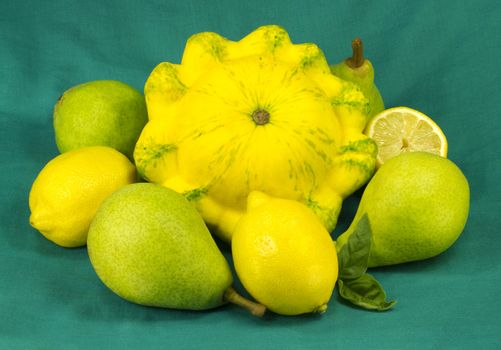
417,204
100,113
150,246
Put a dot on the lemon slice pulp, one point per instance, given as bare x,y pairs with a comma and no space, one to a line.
402,129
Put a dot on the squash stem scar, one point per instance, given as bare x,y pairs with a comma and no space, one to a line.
260,116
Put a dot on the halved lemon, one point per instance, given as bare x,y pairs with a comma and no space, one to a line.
403,129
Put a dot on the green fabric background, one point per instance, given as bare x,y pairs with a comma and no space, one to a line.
440,57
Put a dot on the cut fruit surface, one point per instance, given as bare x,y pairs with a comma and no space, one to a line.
402,129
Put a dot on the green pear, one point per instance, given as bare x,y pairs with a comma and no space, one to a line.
360,71
100,113
150,246
417,204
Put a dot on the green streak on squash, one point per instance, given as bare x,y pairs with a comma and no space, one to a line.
195,194
364,146
150,155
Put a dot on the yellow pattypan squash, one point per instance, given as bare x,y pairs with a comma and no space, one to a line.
256,114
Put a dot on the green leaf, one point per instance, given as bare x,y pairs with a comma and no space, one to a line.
365,292
354,283
354,255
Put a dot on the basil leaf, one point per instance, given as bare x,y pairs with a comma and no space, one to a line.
354,283
365,292
353,257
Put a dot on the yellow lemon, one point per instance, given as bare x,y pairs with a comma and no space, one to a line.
68,190
284,256
403,129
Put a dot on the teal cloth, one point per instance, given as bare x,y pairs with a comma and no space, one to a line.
437,57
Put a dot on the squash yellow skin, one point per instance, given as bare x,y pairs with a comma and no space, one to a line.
203,140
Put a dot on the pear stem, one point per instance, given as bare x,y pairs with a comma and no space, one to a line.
357,58
232,296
